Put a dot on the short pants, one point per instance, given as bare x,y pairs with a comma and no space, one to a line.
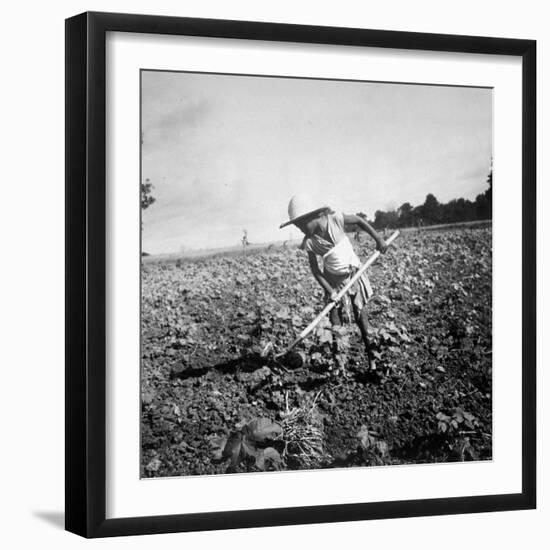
356,297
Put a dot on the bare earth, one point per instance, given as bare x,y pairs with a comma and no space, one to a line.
209,375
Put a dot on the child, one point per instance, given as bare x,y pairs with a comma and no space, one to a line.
324,237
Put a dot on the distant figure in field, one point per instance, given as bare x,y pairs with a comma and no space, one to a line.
324,237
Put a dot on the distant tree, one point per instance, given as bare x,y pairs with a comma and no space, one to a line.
484,201
416,216
404,212
431,209
457,210
383,220
147,198
404,209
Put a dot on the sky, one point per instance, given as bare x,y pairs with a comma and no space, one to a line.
226,153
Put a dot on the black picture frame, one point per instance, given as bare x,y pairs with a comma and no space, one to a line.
86,273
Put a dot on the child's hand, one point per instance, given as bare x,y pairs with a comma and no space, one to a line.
381,246
334,297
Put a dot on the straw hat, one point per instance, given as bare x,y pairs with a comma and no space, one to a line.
300,207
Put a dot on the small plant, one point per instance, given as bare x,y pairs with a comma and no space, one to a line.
371,449
250,441
449,423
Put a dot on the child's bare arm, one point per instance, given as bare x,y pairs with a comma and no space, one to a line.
317,273
367,227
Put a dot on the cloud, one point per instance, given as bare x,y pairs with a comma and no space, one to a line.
173,125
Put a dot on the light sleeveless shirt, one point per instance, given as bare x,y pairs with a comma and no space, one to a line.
334,246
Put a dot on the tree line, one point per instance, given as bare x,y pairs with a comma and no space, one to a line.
432,212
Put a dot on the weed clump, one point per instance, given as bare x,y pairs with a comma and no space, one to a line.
303,435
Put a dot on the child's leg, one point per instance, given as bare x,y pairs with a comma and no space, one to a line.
335,321
335,317
361,318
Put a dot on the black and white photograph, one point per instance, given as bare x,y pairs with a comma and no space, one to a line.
316,274
259,290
